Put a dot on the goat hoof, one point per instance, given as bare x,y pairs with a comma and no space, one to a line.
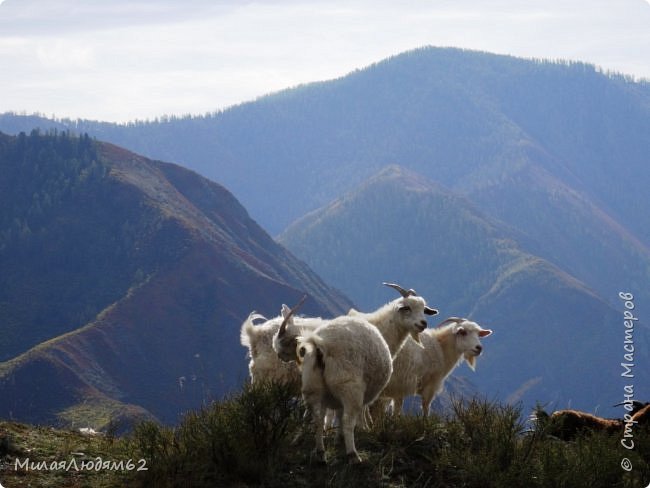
354,458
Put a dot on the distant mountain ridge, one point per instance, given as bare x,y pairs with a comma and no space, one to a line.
555,339
528,180
555,150
469,111
125,282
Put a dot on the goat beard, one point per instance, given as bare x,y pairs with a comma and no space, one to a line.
416,337
471,360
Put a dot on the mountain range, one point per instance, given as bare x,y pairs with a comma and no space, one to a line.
546,323
556,150
511,191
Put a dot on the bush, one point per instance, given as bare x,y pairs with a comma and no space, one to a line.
259,438
243,438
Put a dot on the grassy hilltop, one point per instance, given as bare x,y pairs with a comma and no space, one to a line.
258,437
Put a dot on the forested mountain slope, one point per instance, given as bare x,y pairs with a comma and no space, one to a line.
555,340
125,281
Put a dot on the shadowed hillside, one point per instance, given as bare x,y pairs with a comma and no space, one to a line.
125,282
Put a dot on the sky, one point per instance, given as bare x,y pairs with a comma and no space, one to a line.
123,60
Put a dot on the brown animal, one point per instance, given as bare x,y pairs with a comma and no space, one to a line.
641,415
569,424
636,406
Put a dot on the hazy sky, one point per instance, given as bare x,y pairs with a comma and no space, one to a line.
119,60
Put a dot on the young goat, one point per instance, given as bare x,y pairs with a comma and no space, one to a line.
422,369
347,361
345,365
264,363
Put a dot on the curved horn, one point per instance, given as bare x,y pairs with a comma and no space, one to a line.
636,405
451,320
402,291
283,326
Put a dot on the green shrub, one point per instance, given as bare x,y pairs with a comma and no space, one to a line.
259,438
244,438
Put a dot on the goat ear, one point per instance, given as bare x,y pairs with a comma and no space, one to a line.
285,311
430,311
286,316
484,332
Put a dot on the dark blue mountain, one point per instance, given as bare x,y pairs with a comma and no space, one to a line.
124,284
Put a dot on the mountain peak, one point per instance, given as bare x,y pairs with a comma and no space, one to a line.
406,178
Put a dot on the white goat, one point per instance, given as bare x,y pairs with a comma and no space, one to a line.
396,321
347,361
422,369
264,363
400,318
345,366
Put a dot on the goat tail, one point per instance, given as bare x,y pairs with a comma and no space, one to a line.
310,349
248,328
